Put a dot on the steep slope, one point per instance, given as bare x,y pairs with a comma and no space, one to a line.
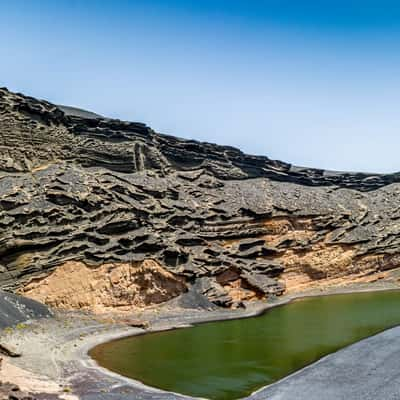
135,218
16,309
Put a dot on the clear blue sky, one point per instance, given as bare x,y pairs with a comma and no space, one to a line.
314,83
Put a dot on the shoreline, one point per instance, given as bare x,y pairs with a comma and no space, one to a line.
68,338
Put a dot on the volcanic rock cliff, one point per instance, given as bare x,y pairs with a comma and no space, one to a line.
99,213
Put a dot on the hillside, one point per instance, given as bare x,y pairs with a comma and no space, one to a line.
104,214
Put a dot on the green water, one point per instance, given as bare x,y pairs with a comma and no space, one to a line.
230,359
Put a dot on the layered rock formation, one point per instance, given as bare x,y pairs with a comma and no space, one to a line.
105,194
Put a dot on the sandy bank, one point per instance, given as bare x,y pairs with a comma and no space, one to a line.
54,351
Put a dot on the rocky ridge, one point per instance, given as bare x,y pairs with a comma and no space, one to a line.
79,191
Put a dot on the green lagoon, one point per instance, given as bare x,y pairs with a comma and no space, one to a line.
231,359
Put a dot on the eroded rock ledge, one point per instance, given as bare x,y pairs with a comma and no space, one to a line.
85,196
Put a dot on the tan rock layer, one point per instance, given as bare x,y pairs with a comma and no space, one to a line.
121,287
310,260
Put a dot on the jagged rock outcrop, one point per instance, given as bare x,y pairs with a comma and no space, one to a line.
77,187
